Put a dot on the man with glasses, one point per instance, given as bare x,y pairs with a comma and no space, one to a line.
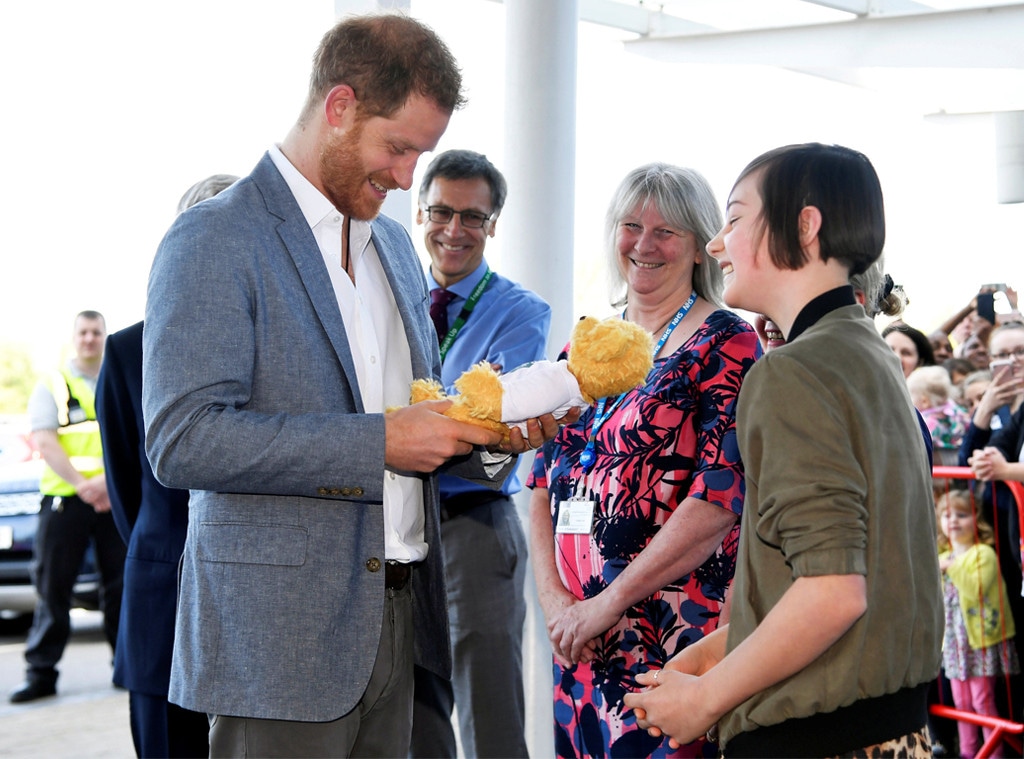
479,316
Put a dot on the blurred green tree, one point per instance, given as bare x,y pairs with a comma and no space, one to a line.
17,378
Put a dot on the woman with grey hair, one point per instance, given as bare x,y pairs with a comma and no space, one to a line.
634,512
205,189
686,202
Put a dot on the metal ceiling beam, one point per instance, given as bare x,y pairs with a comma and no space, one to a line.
988,37
633,18
873,7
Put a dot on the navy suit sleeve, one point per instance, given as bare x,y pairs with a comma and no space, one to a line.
118,410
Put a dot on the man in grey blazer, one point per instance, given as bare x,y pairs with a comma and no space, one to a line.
283,317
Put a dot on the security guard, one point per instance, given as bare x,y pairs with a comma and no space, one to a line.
73,510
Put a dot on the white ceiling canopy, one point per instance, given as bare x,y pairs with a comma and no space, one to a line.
948,56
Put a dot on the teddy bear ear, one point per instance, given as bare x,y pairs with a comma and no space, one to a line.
584,326
426,390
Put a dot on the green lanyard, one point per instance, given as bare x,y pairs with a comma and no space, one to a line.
467,309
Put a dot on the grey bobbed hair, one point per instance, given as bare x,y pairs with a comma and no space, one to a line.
205,189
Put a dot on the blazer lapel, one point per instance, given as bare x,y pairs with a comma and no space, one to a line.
298,239
409,286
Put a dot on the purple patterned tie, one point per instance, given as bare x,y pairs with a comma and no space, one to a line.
439,300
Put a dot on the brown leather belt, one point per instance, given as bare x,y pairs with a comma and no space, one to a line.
459,504
396,575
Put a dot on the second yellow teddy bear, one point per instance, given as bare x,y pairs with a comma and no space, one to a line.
606,357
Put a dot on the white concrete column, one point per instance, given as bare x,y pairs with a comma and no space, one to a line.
1009,156
537,230
540,153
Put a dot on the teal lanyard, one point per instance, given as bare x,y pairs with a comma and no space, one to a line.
589,456
467,309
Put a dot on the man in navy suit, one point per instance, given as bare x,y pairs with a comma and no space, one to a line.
283,317
152,520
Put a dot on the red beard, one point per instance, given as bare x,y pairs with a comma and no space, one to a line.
345,179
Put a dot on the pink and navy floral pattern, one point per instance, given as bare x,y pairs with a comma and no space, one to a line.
671,439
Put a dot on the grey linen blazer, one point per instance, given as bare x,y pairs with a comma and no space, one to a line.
251,401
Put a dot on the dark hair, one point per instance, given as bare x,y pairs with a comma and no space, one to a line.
466,164
841,183
960,365
925,354
90,315
385,58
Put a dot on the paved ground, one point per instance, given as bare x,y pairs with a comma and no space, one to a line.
88,718
83,727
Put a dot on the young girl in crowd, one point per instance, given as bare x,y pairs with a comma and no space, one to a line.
835,629
978,645
931,391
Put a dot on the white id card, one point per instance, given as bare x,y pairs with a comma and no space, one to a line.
575,517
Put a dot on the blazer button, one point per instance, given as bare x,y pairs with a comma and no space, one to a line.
322,491
346,492
373,564
357,492
335,491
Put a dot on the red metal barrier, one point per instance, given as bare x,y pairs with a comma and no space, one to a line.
1003,729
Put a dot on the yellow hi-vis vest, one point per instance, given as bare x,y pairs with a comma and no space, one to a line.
78,432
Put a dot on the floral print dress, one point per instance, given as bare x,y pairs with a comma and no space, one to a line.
670,439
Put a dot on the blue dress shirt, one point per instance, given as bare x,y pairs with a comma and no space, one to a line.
509,327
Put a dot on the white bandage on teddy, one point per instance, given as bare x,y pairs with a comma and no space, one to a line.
533,389
606,358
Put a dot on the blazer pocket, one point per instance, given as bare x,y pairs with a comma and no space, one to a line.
241,543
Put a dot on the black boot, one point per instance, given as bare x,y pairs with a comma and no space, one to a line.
36,685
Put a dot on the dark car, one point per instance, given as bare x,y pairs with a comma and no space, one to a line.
20,467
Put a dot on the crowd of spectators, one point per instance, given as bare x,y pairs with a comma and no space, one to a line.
966,378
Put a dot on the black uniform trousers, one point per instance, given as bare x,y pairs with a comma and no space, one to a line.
66,525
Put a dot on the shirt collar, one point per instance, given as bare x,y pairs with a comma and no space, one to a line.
819,307
464,287
313,204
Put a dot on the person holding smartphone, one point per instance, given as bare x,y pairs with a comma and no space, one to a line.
1004,395
992,448
969,328
997,439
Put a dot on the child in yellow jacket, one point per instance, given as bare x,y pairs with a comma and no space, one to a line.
978,644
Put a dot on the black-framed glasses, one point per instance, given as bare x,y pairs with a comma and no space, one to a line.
468,219
1017,353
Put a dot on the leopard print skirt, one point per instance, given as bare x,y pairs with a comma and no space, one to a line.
917,745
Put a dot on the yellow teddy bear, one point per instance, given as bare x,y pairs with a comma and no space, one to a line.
606,357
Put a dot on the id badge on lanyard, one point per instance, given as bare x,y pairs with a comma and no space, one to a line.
575,516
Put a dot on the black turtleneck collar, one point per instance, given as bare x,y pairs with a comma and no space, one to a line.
817,308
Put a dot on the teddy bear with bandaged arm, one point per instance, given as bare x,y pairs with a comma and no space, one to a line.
606,357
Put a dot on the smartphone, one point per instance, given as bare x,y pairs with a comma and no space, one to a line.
995,287
987,307
1000,367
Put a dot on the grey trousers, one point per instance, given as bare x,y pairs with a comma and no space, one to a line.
485,569
378,726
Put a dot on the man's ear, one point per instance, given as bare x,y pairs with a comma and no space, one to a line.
490,227
419,215
810,225
340,106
